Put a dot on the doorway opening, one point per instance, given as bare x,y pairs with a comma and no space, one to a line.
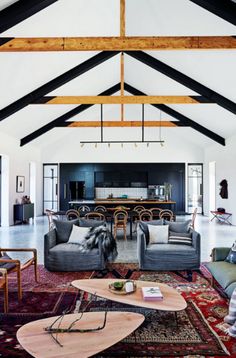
212,186
195,188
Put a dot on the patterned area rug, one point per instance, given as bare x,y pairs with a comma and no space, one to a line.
200,332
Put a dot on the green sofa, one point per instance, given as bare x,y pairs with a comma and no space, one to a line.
223,272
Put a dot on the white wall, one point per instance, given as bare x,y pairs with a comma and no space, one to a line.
225,169
16,162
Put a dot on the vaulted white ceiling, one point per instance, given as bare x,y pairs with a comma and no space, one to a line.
21,73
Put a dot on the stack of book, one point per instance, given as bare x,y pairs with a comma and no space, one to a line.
152,294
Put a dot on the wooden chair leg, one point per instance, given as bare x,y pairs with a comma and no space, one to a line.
6,295
19,283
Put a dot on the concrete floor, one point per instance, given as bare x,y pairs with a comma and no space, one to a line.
32,235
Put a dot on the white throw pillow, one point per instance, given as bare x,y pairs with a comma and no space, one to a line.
158,234
78,234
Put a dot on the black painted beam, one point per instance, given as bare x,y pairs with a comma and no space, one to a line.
61,121
181,118
178,76
21,10
226,9
55,83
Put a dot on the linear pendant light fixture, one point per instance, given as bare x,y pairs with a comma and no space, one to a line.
109,142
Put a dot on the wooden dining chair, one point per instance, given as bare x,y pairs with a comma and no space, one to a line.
145,215
83,209
4,286
120,222
194,214
94,215
12,265
51,215
137,209
167,215
155,213
100,209
72,214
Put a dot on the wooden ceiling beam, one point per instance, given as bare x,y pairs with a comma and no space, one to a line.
122,100
123,123
116,43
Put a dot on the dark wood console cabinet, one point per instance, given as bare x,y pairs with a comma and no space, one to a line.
23,212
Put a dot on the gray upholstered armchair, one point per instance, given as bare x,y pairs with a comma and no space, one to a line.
168,256
59,255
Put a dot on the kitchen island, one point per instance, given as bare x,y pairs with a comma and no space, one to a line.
113,202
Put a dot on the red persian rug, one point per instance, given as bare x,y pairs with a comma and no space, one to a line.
200,332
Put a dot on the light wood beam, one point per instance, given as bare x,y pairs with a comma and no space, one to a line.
120,100
122,84
122,18
116,43
121,124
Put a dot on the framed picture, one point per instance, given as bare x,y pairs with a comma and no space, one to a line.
20,184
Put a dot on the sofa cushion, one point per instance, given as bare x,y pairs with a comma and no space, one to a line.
224,272
231,257
178,226
170,250
78,234
71,250
90,222
158,234
180,238
144,227
63,229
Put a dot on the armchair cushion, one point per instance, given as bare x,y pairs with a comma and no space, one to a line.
231,257
158,234
78,234
182,227
64,229
90,222
180,238
144,227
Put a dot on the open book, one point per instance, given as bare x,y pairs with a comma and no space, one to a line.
152,294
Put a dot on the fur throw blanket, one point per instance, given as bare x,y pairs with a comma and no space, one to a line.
103,235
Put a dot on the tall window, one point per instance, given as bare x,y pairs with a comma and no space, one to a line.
50,187
195,188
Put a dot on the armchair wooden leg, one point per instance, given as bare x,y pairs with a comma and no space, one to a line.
36,267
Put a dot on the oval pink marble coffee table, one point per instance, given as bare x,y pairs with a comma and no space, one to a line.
39,343
172,299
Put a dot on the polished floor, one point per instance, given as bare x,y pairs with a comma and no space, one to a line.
32,235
